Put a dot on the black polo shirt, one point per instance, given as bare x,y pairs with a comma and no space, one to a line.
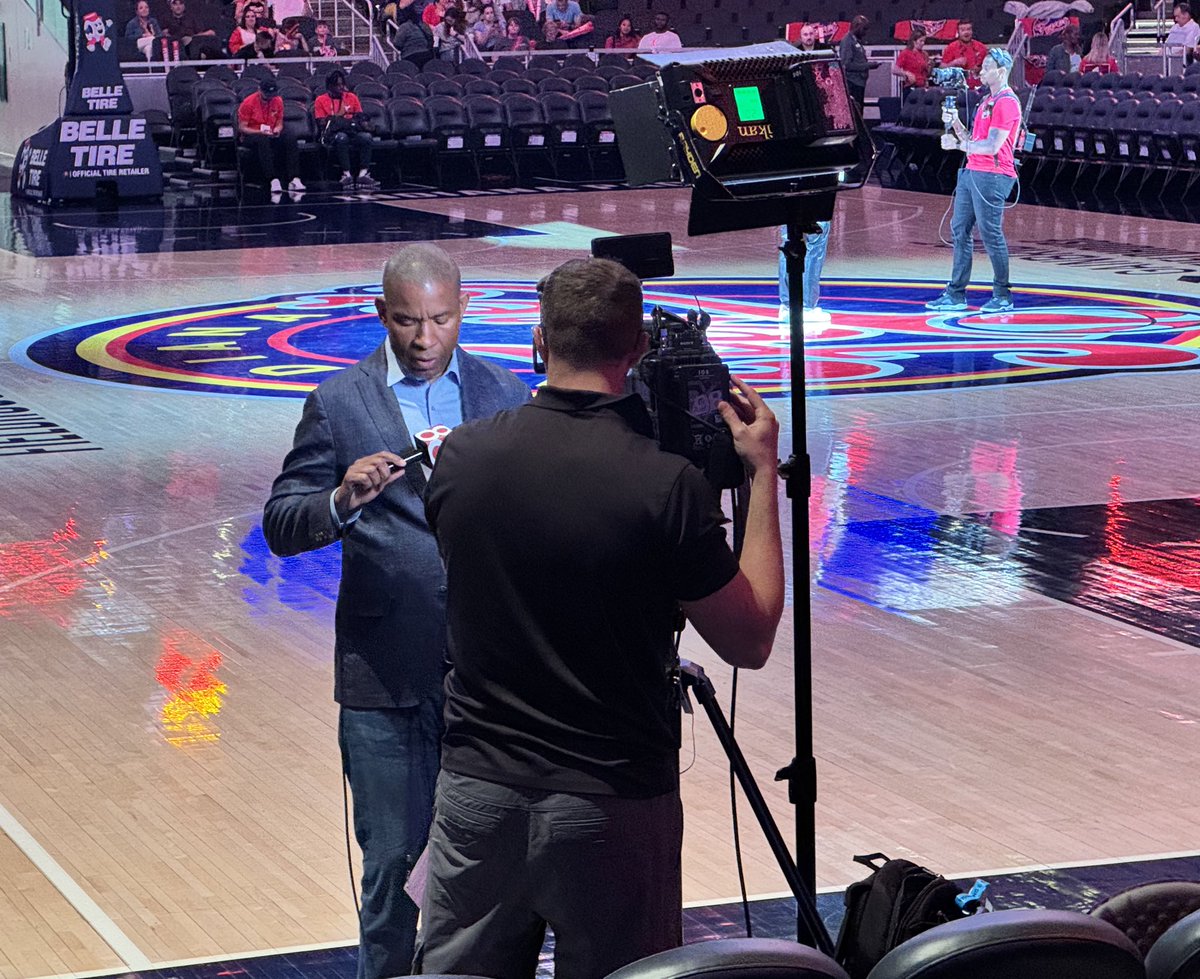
569,537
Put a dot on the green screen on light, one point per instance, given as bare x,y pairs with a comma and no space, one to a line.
749,104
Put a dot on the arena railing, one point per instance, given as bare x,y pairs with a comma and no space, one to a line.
164,67
1118,32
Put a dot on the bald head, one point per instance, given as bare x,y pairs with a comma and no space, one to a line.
421,308
421,265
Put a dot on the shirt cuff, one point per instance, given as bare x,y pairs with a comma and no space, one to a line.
338,523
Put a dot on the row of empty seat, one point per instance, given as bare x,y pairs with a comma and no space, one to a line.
1132,133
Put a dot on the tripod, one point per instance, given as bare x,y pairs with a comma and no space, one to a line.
810,930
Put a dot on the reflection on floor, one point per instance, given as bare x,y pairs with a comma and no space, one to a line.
1138,562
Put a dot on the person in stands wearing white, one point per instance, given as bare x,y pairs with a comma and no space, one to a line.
662,38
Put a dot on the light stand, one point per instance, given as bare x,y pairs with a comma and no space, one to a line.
764,135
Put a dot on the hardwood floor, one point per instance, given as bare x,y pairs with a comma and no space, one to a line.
167,731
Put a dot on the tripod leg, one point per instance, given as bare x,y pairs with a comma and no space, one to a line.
808,920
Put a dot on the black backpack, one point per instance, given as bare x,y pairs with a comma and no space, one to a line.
899,900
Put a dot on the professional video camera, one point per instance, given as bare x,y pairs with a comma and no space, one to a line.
682,379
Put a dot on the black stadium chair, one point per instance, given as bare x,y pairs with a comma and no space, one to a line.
427,78
579,61
624,81
1145,912
528,132
439,67
735,958
521,86
256,72
570,73
608,71
295,90
445,86
599,136
220,73
407,88
1176,955
409,126
1010,944
535,74
448,121
473,66
546,62
295,69
482,86
560,85
501,75
593,83
568,145
368,68
371,89
402,67
489,133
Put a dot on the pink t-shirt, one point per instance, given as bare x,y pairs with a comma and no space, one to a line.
999,111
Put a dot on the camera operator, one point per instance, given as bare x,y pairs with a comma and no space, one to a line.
983,185
570,539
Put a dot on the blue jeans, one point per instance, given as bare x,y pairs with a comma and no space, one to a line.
979,199
602,871
815,245
391,759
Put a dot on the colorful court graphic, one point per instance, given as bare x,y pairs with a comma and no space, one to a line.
880,338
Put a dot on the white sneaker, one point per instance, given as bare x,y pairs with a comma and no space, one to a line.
815,315
276,186
276,196
347,180
296,184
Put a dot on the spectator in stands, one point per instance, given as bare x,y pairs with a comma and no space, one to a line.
1068,53
624,37
413,39
246,32
1185,35
451,39
856,66
434,12
1099,57
488,31
290,37
260,124
340,124
514,36
195,39
572,23
912,64
281,10
810,38
472,11
143,29
322,45
661,38
966,53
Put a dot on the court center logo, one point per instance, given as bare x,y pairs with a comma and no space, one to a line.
880,337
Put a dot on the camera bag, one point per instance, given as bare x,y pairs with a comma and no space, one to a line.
899,900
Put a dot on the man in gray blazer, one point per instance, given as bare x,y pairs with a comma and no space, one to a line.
345,480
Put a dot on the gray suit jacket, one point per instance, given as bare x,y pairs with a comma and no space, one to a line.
390,632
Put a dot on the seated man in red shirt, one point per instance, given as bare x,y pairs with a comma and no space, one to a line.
966,53
260,125
339,117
